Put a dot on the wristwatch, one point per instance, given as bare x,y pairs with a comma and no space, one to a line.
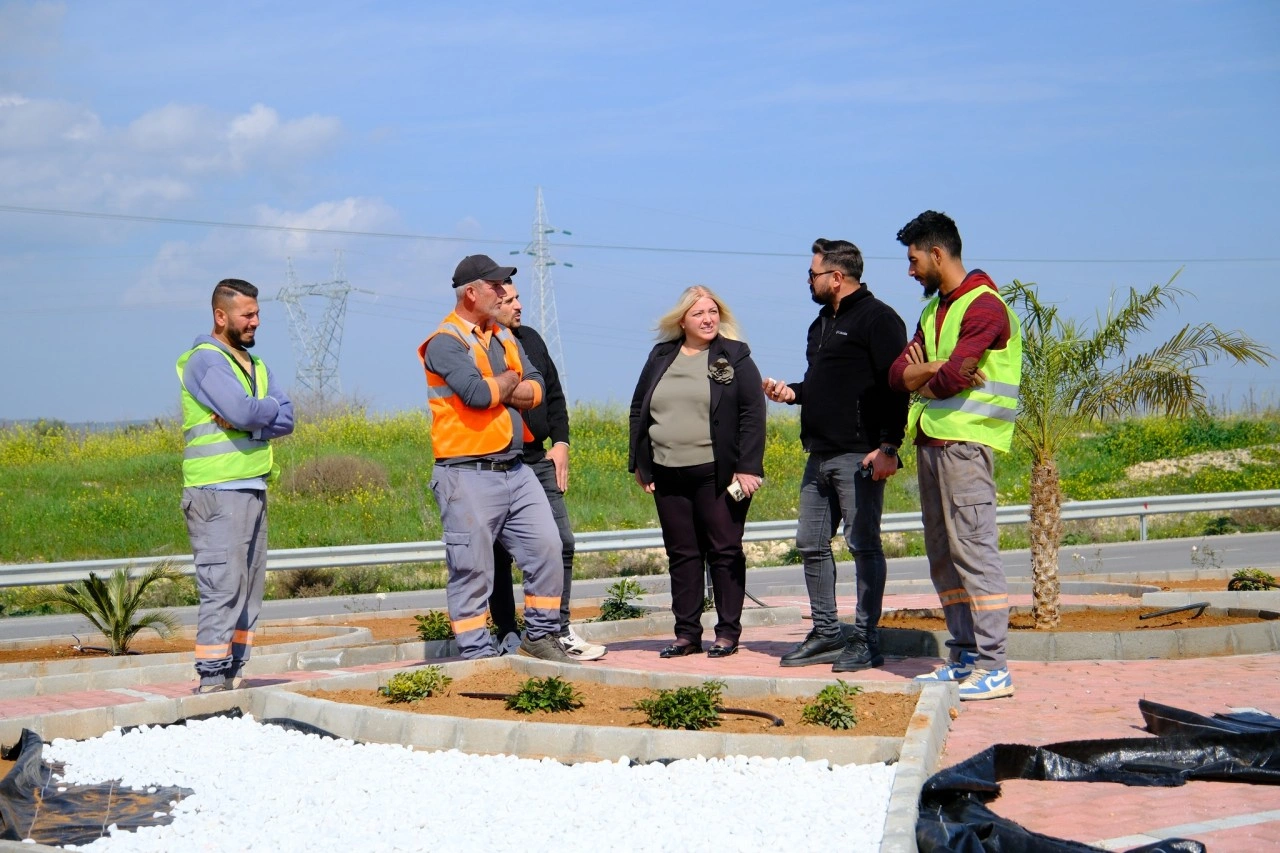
888,450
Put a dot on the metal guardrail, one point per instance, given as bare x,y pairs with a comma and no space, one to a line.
37,574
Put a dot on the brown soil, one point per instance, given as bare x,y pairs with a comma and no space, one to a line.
1108,620
148,646
879,714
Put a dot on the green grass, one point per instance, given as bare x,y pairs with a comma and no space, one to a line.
71,496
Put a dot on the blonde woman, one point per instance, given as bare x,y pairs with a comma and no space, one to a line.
697,445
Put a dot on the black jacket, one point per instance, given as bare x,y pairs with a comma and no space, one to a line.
737,412
550,418
846,404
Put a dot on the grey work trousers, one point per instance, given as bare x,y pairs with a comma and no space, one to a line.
228,531
958,503
831,491
478,508
502,602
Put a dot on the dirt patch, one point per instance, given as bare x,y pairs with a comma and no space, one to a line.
1230,460
1107,621
385,628
879,714
151,646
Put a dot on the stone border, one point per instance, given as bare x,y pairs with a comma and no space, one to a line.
1168,644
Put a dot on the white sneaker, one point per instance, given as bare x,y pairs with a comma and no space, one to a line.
986,684
956,670
579,649
509,644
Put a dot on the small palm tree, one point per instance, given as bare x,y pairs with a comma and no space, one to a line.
1073,376
113,605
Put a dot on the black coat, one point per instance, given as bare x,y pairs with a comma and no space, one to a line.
737,412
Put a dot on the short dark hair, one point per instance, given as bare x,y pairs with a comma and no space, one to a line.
226,290
842,254
930,229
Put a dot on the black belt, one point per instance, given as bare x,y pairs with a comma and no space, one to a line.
488,465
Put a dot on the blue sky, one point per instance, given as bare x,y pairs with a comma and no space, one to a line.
1087,147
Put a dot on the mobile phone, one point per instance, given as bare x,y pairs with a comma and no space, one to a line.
735,491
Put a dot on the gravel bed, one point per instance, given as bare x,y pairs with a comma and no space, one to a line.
265,788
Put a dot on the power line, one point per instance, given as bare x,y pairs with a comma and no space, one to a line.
616,247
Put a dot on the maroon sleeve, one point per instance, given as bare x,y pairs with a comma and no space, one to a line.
899,365
985,326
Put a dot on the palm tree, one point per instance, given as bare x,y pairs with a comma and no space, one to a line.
1073,376
113,605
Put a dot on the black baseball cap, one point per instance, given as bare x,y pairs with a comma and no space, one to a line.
476,267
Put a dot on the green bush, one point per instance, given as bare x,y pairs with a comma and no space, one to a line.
1251,579
433,625
617,605
335,477
832,708
412,686
692,708
544,694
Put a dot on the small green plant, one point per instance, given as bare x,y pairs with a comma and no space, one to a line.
1086,565
114,605
832,708
617,605
493,627
692,708
1203,557
433,625
544,694
1220,526
412,686
1251,579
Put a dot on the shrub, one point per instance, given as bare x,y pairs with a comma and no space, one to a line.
308,583
1251,579
434,625
114,605
412,686
692,708
544,694
493,627
832,708
1220,526
332,477
617,605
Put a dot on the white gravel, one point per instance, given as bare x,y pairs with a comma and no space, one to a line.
261,787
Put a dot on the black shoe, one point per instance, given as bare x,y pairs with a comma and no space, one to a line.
676,650
719,651
815,649
857,655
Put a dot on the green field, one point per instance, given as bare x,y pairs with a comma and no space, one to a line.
352,478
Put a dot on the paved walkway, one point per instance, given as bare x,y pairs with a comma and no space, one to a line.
1063,701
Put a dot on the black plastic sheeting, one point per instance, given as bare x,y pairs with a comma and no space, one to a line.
1240,747
31,806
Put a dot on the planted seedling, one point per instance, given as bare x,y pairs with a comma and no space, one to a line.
544,694
692,708
433,625
419,684
832,707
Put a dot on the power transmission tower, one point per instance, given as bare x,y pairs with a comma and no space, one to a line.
544,297
316,348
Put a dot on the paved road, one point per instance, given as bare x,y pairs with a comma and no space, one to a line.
1259,550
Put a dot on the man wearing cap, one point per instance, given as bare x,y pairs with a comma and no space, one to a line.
478,382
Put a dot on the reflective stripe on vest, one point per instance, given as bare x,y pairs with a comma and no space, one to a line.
985,414
458,429
210,453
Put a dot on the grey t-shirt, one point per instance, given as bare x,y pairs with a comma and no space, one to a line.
681,412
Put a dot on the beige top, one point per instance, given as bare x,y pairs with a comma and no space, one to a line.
681,412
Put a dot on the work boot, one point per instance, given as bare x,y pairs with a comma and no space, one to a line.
857,654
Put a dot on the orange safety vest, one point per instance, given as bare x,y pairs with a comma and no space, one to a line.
456,428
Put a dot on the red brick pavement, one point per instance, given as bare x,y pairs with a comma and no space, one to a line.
1055,702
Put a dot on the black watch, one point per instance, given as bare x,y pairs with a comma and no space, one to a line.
888,450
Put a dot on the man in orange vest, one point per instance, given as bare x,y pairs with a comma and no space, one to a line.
479,380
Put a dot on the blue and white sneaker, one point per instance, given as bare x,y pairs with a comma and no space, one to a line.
509,644
953,670
986,684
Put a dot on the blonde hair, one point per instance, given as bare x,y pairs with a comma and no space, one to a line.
668,326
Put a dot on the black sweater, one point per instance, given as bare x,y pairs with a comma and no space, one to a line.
550,418
846,403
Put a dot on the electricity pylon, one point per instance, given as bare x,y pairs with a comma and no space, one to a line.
316,348
544,314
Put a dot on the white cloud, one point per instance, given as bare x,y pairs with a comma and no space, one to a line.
349,214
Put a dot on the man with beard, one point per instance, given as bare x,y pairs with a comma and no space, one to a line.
551,466
965,363
851,424
231,408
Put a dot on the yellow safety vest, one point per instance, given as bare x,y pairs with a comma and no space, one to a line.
215,455
456,428
986,414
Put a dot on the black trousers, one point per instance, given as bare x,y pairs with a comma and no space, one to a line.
702,527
